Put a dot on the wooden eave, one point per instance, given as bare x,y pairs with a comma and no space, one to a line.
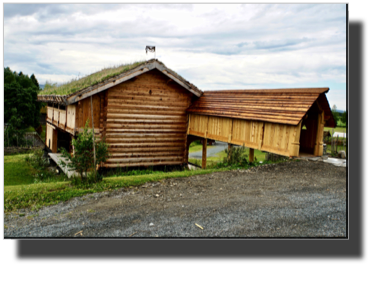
284,106
111,82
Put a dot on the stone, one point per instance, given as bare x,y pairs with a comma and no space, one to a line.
151,224
342,154
156,196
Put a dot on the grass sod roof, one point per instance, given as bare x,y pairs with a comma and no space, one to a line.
72,91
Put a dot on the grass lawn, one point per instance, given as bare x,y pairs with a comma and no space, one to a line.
20,191
337,129
17,171
198,147
44,194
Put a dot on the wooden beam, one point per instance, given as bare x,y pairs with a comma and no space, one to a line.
251,155
228,151
204,153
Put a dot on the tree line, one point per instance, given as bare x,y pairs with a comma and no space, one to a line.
340,118
21,109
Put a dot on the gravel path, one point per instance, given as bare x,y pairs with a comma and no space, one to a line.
292,199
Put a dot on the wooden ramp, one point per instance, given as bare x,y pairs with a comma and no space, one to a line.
57,158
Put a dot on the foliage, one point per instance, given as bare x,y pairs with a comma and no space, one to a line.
78,84
83,158
20,93
235,155
195,143
335,114
40,165
14,133
344,117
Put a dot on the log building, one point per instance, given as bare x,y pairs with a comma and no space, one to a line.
149,115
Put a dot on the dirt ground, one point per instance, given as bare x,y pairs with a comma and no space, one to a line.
291,199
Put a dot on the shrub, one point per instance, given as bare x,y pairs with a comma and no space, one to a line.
235,155
83,158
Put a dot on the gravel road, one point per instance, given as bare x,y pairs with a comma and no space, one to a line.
217,147
291,199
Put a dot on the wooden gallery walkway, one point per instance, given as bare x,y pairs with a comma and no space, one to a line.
268,120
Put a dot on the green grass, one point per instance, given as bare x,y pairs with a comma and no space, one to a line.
198,147
78,84
35,196
337,129
17,171
20,192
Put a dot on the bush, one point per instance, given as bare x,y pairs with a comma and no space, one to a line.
235,155
194,143
36,160
83,158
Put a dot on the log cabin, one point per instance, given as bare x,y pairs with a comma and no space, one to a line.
149,115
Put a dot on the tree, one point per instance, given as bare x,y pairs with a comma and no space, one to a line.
34,80
83,158
335,114
13,134
20,93
344,117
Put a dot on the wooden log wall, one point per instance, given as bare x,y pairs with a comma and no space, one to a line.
83,114
145,122
276,138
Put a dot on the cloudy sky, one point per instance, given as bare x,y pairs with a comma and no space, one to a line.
214,46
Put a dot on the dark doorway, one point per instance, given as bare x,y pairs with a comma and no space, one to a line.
309,130
64,141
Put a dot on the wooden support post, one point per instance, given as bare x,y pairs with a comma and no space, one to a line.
251,155
204,153
228,151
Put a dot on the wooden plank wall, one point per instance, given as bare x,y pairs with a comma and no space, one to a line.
62,119
50,114
55,116
70,125
51,137
276,138
146,121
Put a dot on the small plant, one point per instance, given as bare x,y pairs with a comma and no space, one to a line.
83,159
235,155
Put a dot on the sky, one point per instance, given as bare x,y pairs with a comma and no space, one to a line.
214,46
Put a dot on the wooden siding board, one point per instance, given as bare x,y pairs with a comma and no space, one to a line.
146,121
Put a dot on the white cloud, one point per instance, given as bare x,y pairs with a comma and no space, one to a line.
214,46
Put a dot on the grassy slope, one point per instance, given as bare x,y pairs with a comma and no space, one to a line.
17,171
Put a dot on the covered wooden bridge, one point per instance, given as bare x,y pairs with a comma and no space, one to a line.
288,122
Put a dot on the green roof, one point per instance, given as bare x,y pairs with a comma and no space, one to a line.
78,84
